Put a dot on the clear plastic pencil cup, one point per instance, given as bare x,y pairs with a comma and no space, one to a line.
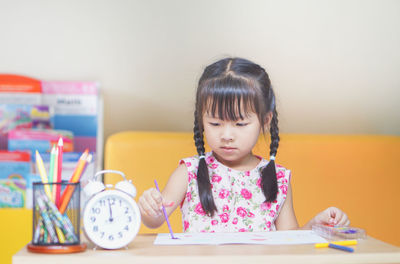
56,214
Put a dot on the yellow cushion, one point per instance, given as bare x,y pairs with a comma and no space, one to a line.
357,173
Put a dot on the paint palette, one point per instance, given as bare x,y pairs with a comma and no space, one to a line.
339,232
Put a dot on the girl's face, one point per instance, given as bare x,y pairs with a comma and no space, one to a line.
232,141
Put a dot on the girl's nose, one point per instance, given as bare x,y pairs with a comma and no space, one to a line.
227,133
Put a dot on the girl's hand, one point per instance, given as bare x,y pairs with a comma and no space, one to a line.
331,216
151,202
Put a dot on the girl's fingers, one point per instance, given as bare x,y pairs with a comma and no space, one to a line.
344,221
142,211
338,217
332,216
150,211
151,202
156,195
150,208
154,198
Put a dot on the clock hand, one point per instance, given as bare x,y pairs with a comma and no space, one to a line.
109,206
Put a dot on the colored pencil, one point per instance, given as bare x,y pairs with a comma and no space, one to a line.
51,170
46,219
42,173
80,167
67,194
63,223
59,170
55,175
348,249
341,243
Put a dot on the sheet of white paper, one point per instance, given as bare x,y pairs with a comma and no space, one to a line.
290,237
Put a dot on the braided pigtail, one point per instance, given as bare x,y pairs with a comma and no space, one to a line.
203,178
269,182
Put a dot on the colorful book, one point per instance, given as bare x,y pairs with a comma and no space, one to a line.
16,89
15,168
76,108
39,139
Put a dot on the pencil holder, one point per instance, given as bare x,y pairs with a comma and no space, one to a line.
56,218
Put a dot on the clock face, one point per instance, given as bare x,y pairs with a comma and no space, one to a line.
111,219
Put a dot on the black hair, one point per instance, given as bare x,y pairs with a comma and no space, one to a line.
225,88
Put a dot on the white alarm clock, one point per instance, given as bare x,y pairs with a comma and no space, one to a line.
111,218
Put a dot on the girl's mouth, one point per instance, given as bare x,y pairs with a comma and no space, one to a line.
228,149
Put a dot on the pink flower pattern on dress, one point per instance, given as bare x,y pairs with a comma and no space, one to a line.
237,195
258,183
283,189
241,212
216,178
223,193
265,206
272,213
189,196
192,175
185,225
213,166
224,217
199,209
246,194
280,174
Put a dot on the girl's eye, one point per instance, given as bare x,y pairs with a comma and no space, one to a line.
242,124
214,124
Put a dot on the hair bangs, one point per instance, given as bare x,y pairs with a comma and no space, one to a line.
229,98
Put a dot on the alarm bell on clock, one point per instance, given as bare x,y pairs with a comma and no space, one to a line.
111,217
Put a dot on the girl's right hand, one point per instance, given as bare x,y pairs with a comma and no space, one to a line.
151,202
331,216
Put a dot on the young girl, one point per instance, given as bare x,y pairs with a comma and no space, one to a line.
230,189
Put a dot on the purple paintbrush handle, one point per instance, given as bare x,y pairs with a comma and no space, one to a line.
165,214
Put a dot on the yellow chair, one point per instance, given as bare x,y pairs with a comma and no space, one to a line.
358,173
15,231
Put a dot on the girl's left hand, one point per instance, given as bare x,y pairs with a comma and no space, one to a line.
332,216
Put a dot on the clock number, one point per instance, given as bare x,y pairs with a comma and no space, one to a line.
111,237
111,201
126,210
101,234
129,218
102,202
120,234
126,228
96,210
95,228
93,219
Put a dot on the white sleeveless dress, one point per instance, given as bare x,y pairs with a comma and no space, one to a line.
237,195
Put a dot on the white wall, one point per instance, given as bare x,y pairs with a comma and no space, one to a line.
335,65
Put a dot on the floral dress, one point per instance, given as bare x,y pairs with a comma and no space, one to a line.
237,195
